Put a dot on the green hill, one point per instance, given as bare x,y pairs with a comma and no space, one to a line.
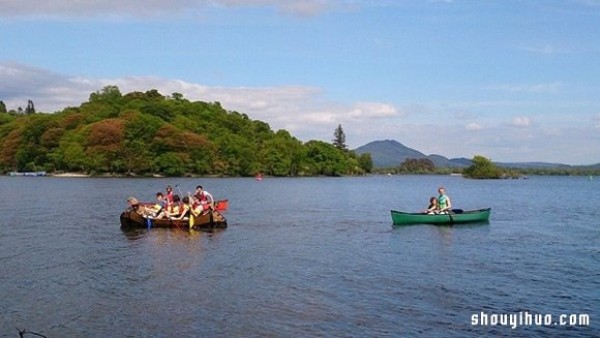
147,133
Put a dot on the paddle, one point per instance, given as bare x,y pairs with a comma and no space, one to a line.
180,193
191,224
450,215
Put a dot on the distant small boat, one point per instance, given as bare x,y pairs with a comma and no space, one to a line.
259,177
27,173
457,216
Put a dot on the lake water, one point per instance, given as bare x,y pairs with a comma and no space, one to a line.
302,257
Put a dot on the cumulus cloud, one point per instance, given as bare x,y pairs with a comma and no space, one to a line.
53,91
308,114
294,7
473,127
521,121
302,110
373,109
118,8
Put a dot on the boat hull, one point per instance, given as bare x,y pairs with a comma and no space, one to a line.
459,217
208,221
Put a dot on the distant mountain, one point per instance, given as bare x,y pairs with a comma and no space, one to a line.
391,153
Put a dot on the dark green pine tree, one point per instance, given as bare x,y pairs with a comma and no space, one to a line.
30,108
339,138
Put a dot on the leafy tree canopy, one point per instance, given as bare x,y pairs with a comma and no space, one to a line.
146,133
482,168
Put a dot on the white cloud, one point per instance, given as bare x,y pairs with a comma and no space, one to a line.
308,115
132,8
537,88
521,121
302,110
473,127
373,109
49,91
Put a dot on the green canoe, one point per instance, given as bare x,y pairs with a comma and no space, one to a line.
457,216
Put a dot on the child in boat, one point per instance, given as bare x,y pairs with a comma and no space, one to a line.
196,208
158,209
433,206
179,209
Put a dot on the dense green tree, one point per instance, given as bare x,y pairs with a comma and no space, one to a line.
170,164
420,165
482,167
108,94
2,107
326,159
365,162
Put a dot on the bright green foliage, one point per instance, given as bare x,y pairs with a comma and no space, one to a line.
145,133
365,162
482,168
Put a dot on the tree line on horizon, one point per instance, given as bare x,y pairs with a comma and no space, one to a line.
147,133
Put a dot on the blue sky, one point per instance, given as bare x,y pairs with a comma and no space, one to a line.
508,79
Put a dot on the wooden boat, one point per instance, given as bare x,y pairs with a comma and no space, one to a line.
457,216
207,221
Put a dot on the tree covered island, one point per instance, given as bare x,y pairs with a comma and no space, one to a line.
147,133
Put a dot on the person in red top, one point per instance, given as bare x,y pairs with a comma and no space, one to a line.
169,195
205,198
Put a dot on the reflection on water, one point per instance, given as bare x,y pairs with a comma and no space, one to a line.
301,257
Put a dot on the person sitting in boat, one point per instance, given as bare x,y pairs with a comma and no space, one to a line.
158,210
433,206
178,209
134,205
170,195
443,201
196,208
205,198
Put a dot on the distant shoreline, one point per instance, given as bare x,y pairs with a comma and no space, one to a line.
69,175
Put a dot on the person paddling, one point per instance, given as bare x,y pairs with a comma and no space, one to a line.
443,201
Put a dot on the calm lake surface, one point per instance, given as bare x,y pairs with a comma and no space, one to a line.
302,257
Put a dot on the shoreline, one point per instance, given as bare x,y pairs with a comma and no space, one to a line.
69,175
